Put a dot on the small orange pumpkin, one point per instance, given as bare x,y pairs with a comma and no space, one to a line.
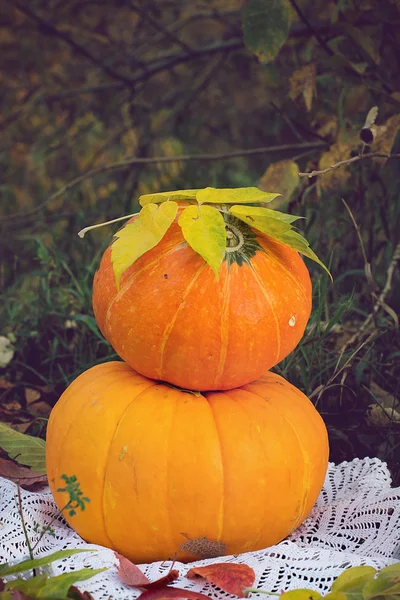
171,472
172,320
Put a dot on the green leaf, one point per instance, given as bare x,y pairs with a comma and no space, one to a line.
27,565
258,213
247,195
140,236
352,581
386,584
203,228
391,570
51,588
24,449
266,25
302,594
278,226
336,596
165,196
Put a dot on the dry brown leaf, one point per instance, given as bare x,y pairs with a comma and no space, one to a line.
282,177
31,395
22,475
386,135
385,410
337,178
302,82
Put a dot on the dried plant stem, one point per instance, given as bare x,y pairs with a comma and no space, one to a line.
23,522
349,161
380,302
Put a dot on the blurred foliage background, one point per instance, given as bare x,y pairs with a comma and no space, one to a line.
92,94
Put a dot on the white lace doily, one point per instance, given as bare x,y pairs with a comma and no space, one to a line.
356,521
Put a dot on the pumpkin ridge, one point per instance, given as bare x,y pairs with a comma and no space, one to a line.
131,278
77,417
168,328
266,296
287,271
152,384
243,405
221,454
226,295
275,405
307,471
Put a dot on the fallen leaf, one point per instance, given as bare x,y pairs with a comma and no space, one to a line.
386,408
21,475
171,592
129,573
203,548
171,576
31,395
76,594
230,577
5,385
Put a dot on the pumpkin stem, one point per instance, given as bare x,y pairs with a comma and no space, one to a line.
234,238
82,232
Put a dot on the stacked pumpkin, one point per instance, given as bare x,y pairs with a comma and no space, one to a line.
191,447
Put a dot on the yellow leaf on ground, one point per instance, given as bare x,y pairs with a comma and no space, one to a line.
302,82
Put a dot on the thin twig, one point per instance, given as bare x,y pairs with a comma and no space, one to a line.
349,161
367,264
159,159
315,33
160,28
23,523
381,302
50,29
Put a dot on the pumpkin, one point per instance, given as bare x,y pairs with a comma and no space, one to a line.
173,320
169,472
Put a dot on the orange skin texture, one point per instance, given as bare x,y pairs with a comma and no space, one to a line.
173,321
162,466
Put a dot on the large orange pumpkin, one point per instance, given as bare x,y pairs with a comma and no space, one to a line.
172,320
168,471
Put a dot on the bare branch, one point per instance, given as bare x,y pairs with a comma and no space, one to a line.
350,161
52,30
129,162
311,29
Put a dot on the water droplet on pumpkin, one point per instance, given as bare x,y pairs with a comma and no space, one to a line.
292,321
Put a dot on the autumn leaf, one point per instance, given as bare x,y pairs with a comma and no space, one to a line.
282,176
248,195
203,228
21,475
353,580
165,196
386,135
25,449
302,594
337,178
266,27
230,577
171,592
302,83
129,573
278,227
142,235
